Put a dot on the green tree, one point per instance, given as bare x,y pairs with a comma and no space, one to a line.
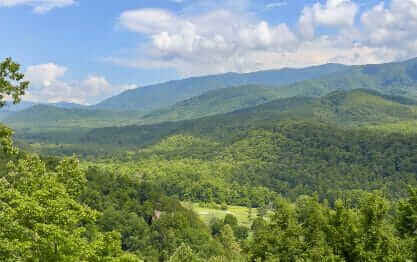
227,238
407,220
377,241
11,85
11,81
314,220
42,221
230,220
184,254
281,239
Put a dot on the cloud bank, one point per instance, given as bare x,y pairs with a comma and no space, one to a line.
48,85
221,39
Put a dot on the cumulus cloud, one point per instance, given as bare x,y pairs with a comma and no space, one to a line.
334,13
39,6
48,85
45,74
393,26
201,43
230,37
96,86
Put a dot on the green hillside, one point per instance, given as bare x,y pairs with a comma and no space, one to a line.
347,109
291,158
148,98
51,124
221,112
215,102
207,96
392,78
51,116
399,79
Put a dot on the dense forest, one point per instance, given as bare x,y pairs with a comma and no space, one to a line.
319,178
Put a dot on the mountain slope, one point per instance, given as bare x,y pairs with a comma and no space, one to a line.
399,79
392,78
44,116
68,105
10,107
215,102
349,109
146,99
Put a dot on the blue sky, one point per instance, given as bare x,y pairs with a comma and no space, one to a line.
86,50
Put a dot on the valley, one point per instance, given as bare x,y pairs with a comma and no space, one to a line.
208,131
235,161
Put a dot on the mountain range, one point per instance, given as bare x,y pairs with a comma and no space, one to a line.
358,108
344,95
146,99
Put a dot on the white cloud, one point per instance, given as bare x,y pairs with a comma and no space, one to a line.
335,13
197,43
276,5
148,20
395,25
47,85
96,85
45,74
231,37
39,6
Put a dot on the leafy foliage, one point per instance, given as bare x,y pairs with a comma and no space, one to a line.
11,81
151,224
41,219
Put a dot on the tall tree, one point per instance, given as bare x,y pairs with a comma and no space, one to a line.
42,221
11,85
11,81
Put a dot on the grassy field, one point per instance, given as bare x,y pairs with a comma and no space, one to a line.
206,213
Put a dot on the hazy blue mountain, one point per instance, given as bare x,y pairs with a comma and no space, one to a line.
148,98
10,107
3,115
68,105
23,105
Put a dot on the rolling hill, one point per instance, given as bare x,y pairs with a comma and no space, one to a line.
51,116
217,110
346,109
148,98
218,101
398,79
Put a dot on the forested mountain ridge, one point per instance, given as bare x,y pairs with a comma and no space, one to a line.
397,78
204,96
148,98
215,102
60,117
354,108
